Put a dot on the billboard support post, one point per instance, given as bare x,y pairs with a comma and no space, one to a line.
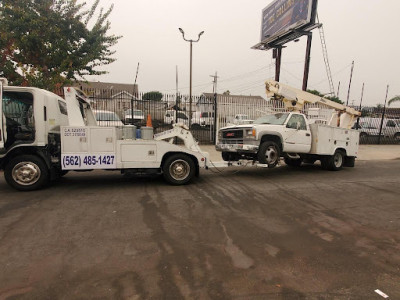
278,61
307,61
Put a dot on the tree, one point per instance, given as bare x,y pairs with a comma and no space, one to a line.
332,98
226,93
156,96
49,43
394,99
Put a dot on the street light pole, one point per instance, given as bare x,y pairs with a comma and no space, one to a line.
191,68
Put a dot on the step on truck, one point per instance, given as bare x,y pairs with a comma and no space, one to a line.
43,136
292,135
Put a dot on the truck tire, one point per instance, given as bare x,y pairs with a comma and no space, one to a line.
178,169
293,162
26,173
334,162
269,153
397,137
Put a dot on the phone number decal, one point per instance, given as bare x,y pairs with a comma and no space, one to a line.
84,161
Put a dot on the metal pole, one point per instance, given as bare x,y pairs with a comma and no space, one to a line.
383,115
190,89
278,61
307,62
338,90
351,77
215,129
362,96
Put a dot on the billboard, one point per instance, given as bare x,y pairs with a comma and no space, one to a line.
283,16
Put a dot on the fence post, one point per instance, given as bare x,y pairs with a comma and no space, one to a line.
215,131
383,116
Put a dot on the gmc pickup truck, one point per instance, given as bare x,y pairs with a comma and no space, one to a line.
291,136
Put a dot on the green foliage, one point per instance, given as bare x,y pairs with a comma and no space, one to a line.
332,98
394,99
49,43
156,96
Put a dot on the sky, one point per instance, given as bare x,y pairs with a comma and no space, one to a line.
363,31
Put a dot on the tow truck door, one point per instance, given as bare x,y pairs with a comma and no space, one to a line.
2,120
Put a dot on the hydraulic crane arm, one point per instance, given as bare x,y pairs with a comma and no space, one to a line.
295,99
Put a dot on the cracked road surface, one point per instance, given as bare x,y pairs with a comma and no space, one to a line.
279,233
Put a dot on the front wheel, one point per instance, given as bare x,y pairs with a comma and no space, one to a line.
26,173
178,169
269,153
397,137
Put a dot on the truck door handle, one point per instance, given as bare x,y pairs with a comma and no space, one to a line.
307,134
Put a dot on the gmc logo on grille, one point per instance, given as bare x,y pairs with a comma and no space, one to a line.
231,134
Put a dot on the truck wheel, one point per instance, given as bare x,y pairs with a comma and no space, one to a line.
26,173
397,137
293,162
178,169
269,154
335,162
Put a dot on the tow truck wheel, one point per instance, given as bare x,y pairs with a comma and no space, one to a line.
269,154
26,173
178,169
336,161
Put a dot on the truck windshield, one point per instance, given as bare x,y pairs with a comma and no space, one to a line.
275,119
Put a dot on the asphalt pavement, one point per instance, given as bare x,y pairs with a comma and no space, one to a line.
248,233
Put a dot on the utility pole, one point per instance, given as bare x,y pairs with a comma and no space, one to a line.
338,90
351,77
214,82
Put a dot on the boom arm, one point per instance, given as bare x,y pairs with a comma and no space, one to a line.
295,99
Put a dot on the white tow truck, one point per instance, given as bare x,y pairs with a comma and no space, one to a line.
292,135
43,136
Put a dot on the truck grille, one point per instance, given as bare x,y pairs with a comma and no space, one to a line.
232,134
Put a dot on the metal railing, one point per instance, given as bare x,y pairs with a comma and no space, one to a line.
211,112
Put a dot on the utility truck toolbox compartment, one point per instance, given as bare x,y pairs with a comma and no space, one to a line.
326,139
86,148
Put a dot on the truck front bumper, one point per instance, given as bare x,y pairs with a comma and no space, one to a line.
249,148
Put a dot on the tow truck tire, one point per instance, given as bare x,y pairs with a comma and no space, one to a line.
269,153
335,162
26,173
293,162
178,169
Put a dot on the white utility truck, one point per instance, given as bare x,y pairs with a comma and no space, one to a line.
43,136
292,135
